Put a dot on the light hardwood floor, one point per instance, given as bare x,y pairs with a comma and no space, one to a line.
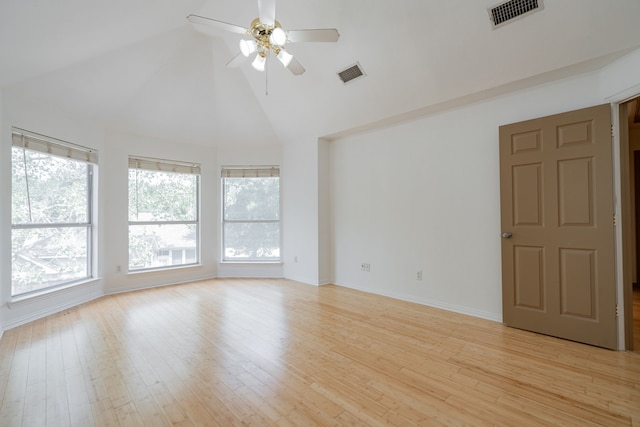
275,352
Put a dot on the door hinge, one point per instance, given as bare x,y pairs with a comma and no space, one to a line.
617,310
614,219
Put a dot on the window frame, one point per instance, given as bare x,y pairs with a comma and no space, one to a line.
249,172
167,166
67,151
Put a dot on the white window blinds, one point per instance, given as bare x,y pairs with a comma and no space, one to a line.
250,172
163,165
44,144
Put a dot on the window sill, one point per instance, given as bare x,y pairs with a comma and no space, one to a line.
251,262
163,269
46,293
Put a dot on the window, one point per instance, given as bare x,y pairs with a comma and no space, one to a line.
251,214
51,215
163,214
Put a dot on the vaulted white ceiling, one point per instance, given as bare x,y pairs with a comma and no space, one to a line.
139,66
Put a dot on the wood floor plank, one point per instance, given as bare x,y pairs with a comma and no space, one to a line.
244,352
35,405
7,351
13,403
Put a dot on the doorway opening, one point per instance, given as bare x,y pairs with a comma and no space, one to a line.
630,125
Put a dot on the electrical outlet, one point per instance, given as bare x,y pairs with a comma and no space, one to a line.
365,266
419,275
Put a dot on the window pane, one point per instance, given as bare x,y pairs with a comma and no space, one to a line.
45,257
252,241
251,198
162,196
57,189
152,246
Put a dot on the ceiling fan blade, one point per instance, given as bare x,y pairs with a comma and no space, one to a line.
320,35
267,12
295,67
237,60
214,23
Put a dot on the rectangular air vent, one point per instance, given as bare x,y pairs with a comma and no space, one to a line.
351,73
507,11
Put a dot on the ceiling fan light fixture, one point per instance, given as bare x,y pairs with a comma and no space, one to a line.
284,57
260,61
278,37
247,47
265,36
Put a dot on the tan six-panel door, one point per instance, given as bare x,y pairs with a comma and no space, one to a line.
556,187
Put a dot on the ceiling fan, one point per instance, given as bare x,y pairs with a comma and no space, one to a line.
267,37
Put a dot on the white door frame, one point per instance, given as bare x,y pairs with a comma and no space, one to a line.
617,100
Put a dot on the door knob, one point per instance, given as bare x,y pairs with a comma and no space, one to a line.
507,235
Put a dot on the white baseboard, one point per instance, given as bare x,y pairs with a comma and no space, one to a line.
90,295
257,270
123,289
431,303
21,320
305,280
48,311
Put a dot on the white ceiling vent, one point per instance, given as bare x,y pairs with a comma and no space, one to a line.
351,73
507,11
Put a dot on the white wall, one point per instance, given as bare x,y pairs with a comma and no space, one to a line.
112,222
621,79
114,198
425,196
421,195
325,264
300,211
49,121
246,156
5,214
